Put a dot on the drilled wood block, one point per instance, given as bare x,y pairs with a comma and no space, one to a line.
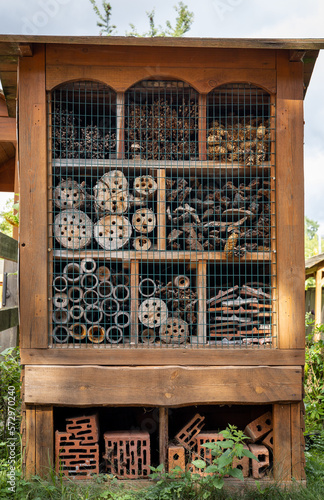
259,427
187,435
176,457
268,440
207,437
262,454
73,458
85,429
127,454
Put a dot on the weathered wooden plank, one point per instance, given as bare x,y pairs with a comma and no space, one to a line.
30,450
163,434
281,442
160,386
160,356
8,318
296,444
290,203
8,248
44,445
8,129
7,176
33,200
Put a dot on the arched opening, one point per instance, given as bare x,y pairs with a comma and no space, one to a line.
161,120
83,120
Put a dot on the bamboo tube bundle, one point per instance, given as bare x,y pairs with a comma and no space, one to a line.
121,293
114,334
60,316
90,297
60,284
76,312
78,331
75,294
88,265
92,314
112,232
153,312
68,194
120,279
105,289
72,272
89,281
60,300
103,273
73,229
122,319
60,334
109,307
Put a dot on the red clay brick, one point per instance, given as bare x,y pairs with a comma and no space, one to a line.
127,454
243,464
86,428
262,453
73,458
259,427
268,440
207,437
187,435
176,457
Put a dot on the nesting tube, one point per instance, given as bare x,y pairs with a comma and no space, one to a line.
148,336
182,282
60,316
122,319
90,297
109,306
103,273
60,334
60,283
114,335
96,334
60,300
78,331
88,265
121,293
75,294
72,272
105,289
147,287
76,311
92,314
120,279
89,281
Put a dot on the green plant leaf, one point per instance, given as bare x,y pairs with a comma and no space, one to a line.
211,468
247,453
236,473
200,464
226,444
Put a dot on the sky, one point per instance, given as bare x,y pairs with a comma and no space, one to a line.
213,18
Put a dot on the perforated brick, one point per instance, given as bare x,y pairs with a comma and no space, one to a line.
243,464
127,454
194,470
187,435
176,457
262,453
259,427
207,437
268,440
86,428
73,458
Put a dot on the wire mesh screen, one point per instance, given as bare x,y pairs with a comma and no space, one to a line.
162,217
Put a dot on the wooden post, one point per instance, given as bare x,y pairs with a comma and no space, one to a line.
44,440
30,436
296,443
163,434
134,280
290,203
318,301
281,442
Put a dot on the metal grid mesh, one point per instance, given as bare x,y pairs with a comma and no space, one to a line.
161,218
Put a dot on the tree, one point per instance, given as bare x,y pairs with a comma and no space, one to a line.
311,238
183,22
311,228
104,23
7,217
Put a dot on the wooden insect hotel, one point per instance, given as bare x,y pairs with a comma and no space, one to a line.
161,250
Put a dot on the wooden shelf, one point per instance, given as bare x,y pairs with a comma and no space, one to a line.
186,166
157,256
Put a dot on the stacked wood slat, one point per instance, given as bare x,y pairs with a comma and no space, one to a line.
245,140
203,215
240,315
165,129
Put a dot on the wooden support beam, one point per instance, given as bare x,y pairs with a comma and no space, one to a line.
8,129
30,451
161,386
296,443
163,434
8,318
8,248
25,49
296,55
44,445
281,442
318,302
7,176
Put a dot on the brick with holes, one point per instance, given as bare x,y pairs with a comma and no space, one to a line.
207,437
268,440
127,454
187,435
259,469
259,427
73,458
176,457
193,469
85,428
243,464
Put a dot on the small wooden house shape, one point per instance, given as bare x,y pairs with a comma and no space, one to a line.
161,248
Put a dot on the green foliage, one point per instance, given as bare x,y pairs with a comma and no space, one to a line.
183,24
311,239
314,379
104,23
5,226
9,399
311,228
